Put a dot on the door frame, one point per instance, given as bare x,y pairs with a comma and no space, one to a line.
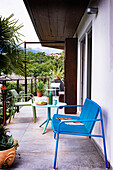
86,65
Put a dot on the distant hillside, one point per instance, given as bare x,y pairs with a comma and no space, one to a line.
46,50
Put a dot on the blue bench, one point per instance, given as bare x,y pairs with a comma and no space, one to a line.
82,125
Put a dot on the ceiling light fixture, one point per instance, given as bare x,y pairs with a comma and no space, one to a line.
92,10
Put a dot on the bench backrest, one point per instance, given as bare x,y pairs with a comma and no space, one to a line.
90,110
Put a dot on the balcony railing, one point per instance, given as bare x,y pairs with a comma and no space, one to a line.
31,81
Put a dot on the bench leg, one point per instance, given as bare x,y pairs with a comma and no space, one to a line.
56,149
54,135
105,153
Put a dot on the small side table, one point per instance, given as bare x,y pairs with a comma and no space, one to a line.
48,106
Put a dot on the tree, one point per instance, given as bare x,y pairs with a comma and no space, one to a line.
41,65
11,57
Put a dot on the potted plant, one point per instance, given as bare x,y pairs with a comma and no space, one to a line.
40,88
8,147
57,73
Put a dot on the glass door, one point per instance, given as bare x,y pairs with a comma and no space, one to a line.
86,66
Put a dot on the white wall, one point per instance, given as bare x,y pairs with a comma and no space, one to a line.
102,58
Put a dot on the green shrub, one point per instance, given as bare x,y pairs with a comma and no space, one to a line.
13,85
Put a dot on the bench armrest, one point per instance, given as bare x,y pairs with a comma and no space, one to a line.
71,121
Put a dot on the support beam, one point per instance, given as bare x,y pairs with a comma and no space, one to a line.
4,104
70,81
25,71
18,93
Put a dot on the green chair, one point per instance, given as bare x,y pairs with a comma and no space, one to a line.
19,100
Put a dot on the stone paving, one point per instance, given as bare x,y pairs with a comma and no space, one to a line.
36,151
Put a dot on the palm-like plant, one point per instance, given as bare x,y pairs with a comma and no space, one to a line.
10,57
58,73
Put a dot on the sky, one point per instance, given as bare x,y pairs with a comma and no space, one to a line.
17,7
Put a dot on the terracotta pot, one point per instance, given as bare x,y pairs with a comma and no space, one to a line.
7,156
58,78
39,94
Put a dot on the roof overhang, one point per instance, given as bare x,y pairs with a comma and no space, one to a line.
55,20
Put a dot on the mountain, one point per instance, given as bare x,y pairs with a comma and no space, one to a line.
44,49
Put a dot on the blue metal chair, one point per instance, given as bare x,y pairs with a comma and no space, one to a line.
82,125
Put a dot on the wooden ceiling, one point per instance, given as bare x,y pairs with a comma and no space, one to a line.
55,20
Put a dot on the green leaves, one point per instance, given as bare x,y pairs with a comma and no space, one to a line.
40,86
10,53
58,73
9,35
3,131
41,65
6,141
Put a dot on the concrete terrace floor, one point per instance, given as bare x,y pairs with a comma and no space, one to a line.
36,151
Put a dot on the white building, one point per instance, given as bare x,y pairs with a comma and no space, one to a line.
95,65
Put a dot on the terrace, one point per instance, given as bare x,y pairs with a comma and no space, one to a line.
36,151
